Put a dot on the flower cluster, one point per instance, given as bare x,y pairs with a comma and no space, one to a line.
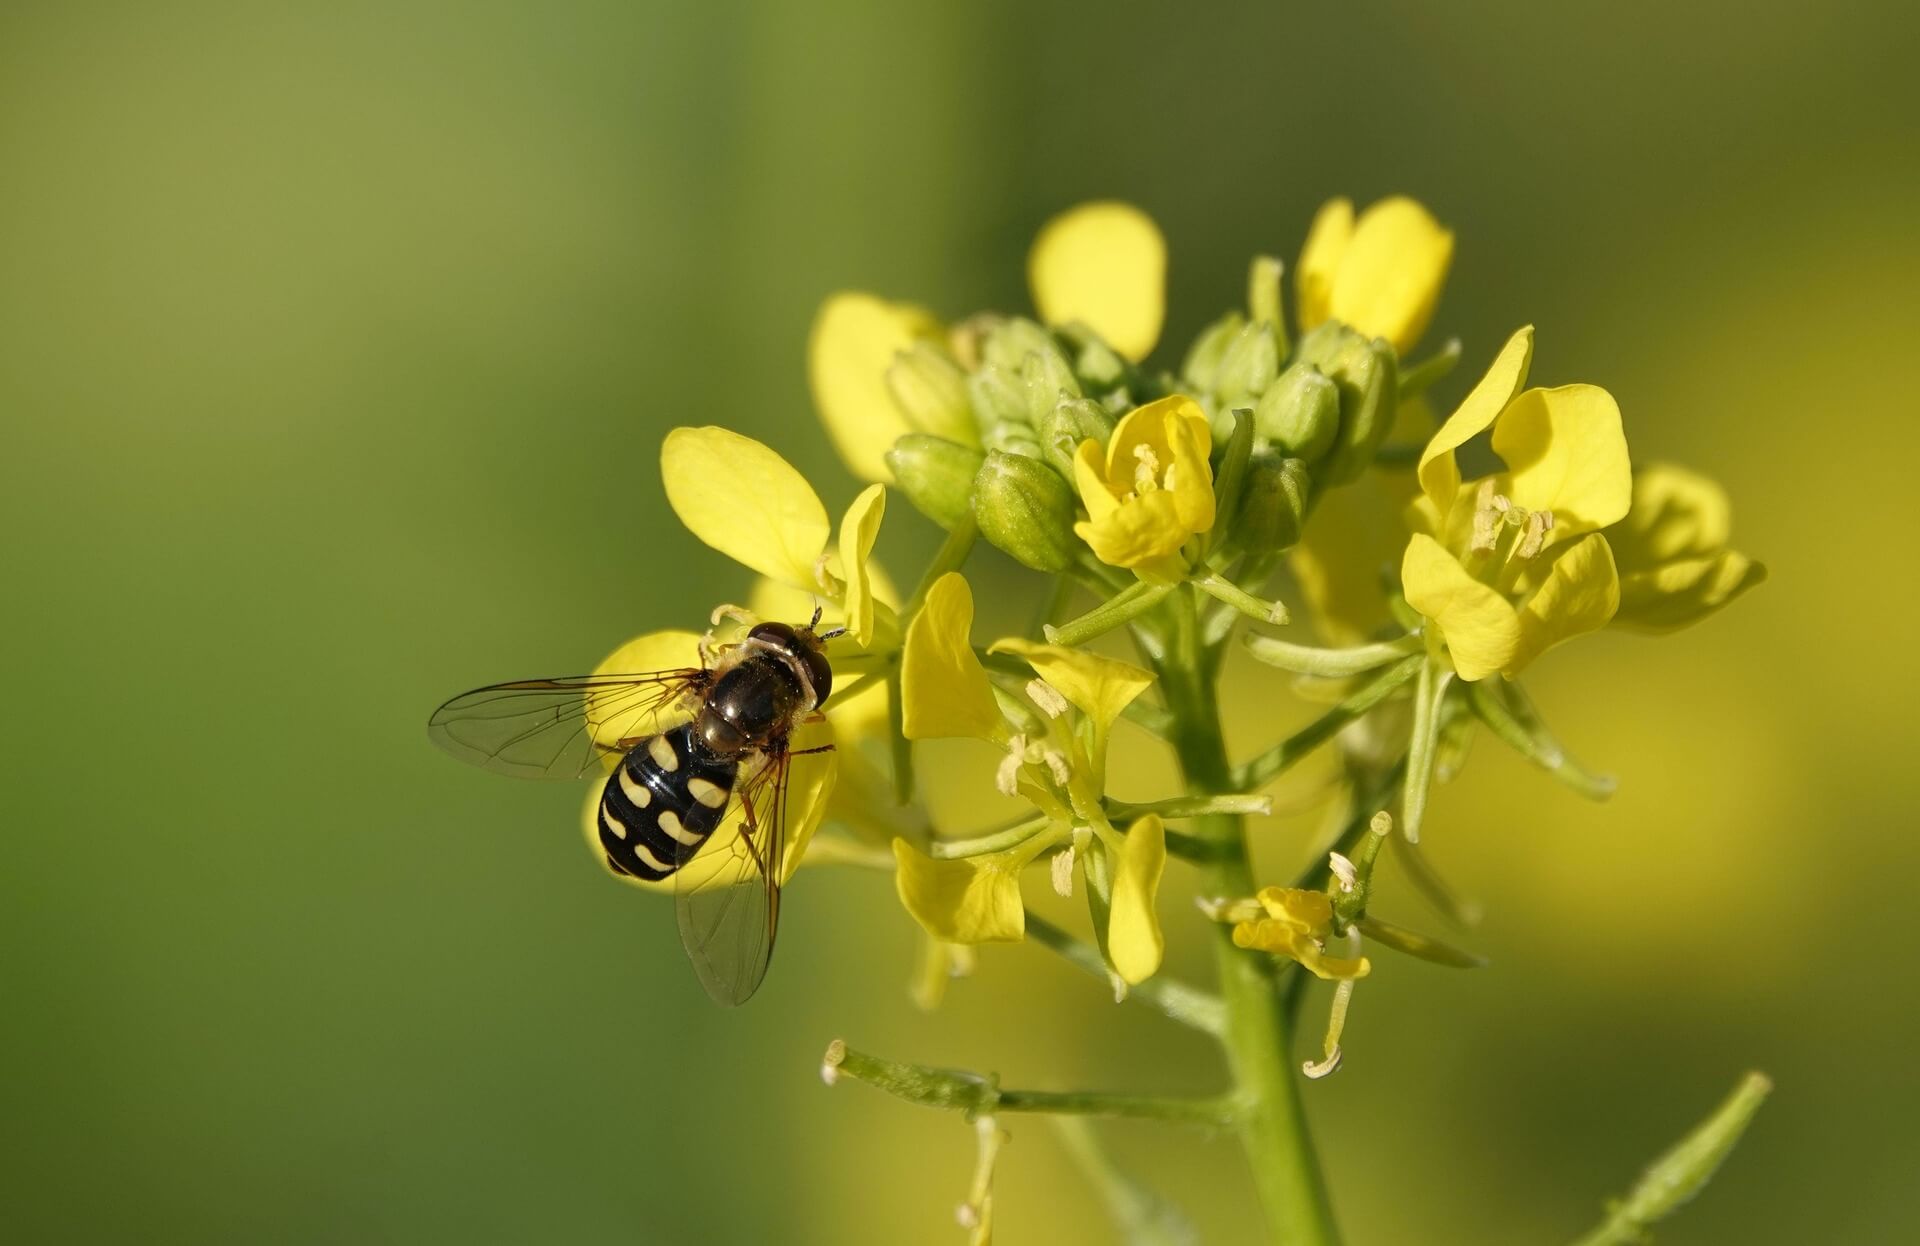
1435,559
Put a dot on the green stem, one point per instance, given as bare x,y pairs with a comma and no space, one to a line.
951,556
1259,770
976,1095
1272,1124
1166,996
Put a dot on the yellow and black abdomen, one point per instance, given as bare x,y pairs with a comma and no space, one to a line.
662,802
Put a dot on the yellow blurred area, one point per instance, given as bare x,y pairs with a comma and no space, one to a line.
336,347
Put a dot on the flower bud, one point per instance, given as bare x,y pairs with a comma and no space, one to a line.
1368,383
1300,413
997,398
1026,509
1248,365
1273,504
1202,366
1008,343
1067,425
1100,366
936,475
1047,379
931,391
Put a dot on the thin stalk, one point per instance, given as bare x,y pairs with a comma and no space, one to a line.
1259,770
1188,1005
997,841
1272,1123
975,1095
951,556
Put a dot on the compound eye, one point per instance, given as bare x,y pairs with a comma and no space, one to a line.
774,633
820,672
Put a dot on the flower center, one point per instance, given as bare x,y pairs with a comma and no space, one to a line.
1147,474
1505,537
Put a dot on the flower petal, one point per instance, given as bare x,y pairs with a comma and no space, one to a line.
1099,687
1566,452
970,900
1481,630
1134,942
855,340
1392,271
858,531
1439,474
944,689
1675,514
1682,593
1105,266
745,501
1579,595
1320,255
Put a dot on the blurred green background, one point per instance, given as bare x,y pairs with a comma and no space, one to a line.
336,343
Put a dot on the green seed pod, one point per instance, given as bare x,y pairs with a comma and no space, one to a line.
936,475
931,390
1026,509
1067,425
1300,413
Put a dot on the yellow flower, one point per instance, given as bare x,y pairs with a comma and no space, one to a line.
1103,265
1380,275
1497,570
812,778
1675,567
968,900
1297,924
750,504
857,340
1134,942
1099,687
944,691
1150,491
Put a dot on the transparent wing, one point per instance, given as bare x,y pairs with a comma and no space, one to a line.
728,894
561,728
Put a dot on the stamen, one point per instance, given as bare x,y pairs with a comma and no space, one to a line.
1058,764
1343,871
1062,870
1007,777
1047,697
1489,508
1539,523
1146,469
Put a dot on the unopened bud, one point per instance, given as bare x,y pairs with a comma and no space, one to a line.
1026,509
1248,365
931,390
1273,504
1007,345
1202,366
1300,413
1100,365
1047,380
936,475
997,397
1367,379
1067,425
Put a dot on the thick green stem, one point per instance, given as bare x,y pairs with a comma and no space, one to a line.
1272,1124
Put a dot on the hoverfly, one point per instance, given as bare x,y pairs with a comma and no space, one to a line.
670,786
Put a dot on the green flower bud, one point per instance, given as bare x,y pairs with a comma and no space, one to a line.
997,398
1008,343
1012,439
936,475
1248,365
1026,509
1273,504
1047,379
1067,425
1300,413
1202,366
1367,378
931,390
1100,366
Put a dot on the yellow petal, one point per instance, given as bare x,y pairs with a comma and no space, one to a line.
1392,271
1566,452
1152,426
1143,533
1480,628
1675,514
1310,911
1189,438
1090,479
654,651
1320,256
944,689
970,900
1134,941
1105,266
854,341
1439,474
1099,687
858,531
1579,595
1681,593
745,501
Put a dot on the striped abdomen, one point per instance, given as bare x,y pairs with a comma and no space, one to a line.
662,801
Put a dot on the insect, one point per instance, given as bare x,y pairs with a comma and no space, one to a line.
670,786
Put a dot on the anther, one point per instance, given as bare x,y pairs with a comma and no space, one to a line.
1061,867
1343,871
1047,697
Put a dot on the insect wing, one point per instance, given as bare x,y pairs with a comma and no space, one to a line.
561,728
728,895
